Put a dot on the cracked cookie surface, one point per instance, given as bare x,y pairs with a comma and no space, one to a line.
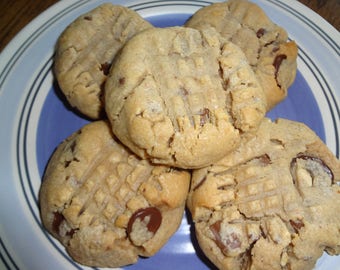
85,50
272,204
104,204
266,45
182,97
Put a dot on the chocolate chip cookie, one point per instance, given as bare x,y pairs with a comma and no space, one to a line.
104,204
271,55
85,50
182,97
274,203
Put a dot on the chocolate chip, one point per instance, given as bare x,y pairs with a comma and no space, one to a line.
260,32
88,18
228,242
204,116
105,67
320,173
277,63
58,218
215,229
102,86
233,242
155,219
121,81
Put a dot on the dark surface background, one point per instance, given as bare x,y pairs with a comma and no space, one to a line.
14,15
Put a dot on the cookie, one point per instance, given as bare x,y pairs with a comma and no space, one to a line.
274,203
266,45
104,204
182,97
85,50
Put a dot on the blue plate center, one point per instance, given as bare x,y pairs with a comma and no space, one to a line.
57,121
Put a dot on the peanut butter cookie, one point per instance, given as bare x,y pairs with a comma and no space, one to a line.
182,97
85,50
274,203
266,45
104,204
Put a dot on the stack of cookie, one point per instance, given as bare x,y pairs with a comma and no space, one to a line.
179,120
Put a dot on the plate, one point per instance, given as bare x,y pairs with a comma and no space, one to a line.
35,119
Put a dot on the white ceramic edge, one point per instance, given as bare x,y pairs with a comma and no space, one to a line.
12,47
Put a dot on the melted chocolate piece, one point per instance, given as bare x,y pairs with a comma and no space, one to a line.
232,240
57,220
260,32
105,68
317,161
215,228
102,87
277,63
154,222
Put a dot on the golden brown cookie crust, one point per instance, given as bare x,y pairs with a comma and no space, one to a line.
85,50
182,97
265,44
272,204
104,204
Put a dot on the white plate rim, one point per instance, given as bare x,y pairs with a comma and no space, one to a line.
329,38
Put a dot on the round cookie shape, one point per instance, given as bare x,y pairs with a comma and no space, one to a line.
182,97
272,204
85,51
104,204
265,44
